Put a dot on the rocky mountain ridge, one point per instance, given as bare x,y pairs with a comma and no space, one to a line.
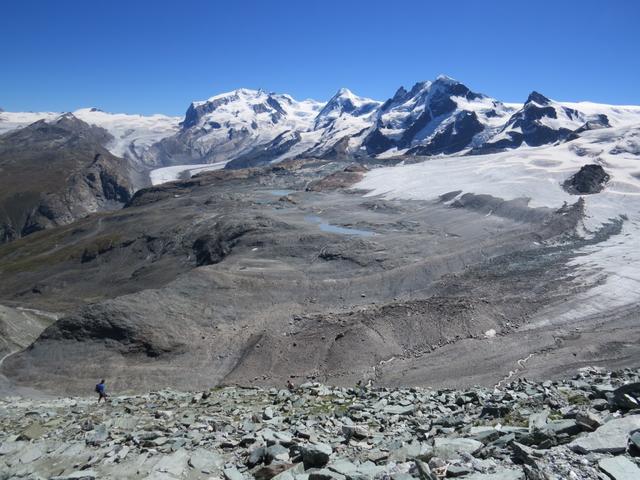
56,172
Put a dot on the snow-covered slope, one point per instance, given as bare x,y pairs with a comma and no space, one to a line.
13,120
540,121
338,129
132,134
618,115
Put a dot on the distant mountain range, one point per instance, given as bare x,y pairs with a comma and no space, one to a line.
106,157
252,127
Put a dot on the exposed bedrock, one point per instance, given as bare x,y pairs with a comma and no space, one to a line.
588,180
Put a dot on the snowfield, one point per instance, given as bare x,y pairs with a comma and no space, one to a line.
179,172
132,134
14,120
612,267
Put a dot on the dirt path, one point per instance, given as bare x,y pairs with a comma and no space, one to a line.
7,356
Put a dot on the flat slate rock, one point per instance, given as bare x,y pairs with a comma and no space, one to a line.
79,475
233,474
174,464
453,448
620,468
612,437
316,455
634,440
32,432
30,454
499,475
205,460
291,473
627,396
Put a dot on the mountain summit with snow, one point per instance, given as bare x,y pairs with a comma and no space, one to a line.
248,127
439,117
231,124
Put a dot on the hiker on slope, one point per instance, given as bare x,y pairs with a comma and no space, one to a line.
100,390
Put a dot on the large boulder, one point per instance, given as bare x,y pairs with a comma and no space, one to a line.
612,437
589,179
316,455
619,468
627,396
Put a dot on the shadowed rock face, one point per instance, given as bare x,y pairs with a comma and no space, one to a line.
589,179
453,138
54,173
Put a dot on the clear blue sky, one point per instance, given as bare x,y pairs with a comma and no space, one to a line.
157,56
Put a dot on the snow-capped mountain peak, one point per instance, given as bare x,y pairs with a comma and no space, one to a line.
439,116
252,107
540,121
230,125
446,79
344,102
535,97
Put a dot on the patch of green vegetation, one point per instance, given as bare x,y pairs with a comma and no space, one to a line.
34,244
320,409
555,415
327,408
515,419
577,399
340,411
33,262
29,253
100,245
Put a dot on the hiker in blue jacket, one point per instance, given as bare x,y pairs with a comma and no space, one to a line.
100,390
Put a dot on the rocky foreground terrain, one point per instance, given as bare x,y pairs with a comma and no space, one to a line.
587,427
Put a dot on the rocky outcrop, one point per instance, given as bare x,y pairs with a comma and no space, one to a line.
588,180
56,172
344,179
